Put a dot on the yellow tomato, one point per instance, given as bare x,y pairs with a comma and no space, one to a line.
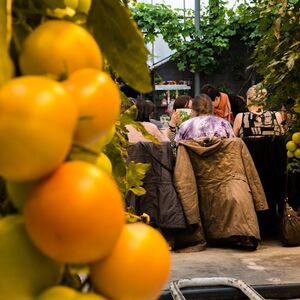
137,267
290,154
37,123
291,146
71,3
98,100
104,163
84,6
75,214
103,140
24,271
59,47
296,137
60,292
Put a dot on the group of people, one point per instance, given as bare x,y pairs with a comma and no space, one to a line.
212,114
219,200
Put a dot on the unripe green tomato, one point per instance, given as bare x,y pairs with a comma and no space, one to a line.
84,6
104,163
18,192
297,108
72,4
291,146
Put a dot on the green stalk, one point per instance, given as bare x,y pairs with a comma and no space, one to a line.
6,64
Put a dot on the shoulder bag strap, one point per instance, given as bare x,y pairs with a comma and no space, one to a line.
155,158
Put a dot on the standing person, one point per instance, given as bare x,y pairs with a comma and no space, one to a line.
222,107
257,122
145,110
204,123
182,101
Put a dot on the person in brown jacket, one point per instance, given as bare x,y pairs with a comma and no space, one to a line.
220,190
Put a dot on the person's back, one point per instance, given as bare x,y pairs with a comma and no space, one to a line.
264,124
204,123
145,110
257,122
204,126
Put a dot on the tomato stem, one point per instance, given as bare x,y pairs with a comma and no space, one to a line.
85,149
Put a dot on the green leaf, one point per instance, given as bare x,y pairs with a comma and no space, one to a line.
139,127
20,32
51,3
6,64
277,25
129,115
139,191
121,42
135,173
131,218
291,60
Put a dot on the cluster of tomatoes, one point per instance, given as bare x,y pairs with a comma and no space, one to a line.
72,210
293,146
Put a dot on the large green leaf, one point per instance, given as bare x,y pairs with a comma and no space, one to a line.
6,64
121,42
51,3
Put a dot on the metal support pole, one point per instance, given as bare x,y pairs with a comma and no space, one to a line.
197,26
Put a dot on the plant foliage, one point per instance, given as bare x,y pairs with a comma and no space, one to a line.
277,54
122,45
270,28
197,50
277,59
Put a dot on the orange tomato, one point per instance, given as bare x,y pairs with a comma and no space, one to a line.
59,47
37,123
98,99
137,268
75,214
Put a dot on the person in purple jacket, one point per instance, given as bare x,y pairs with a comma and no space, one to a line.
204,124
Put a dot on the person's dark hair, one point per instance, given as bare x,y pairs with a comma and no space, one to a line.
202,105
206,87
128,91
211,91
145,109
181,101
238,104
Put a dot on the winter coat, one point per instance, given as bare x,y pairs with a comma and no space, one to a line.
219,187
161,201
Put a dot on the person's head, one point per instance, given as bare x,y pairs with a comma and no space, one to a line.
202,105
211,91
237,103
145,110
256,93
182,101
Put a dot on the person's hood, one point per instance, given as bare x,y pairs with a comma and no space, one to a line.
203,146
